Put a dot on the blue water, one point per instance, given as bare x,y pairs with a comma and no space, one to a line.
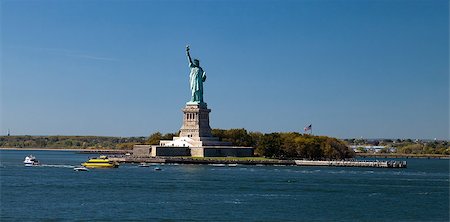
208,193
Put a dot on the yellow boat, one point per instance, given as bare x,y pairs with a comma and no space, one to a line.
100,162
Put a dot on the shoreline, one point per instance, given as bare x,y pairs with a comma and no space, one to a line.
117,151
67,149
267,162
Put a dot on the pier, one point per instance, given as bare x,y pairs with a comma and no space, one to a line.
399,155
343,163
273,162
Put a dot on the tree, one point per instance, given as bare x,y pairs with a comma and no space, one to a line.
411,149
154,138
269,145
238,137
220,133
168,136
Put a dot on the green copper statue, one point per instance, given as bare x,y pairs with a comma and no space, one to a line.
196,79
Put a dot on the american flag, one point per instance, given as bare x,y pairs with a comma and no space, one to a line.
308,127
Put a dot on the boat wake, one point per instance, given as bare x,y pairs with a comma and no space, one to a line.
56,165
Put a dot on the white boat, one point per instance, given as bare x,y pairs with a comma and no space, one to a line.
232,165
158,168
217,164
80,168
30,161
144,165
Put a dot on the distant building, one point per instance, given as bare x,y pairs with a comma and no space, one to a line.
371,149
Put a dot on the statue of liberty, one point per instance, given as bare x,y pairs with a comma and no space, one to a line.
196,79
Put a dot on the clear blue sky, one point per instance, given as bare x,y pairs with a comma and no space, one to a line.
369,68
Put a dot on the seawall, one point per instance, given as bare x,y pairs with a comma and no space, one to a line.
249,161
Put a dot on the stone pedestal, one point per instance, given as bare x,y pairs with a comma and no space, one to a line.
196,121
196,131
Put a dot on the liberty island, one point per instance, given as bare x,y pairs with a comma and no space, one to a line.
196,140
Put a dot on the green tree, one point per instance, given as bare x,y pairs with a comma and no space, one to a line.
154,138
168,136
239,137
270,145
411,149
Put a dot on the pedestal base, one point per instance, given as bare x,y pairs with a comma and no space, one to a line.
195,138
196,121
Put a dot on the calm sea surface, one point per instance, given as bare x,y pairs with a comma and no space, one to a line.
208,193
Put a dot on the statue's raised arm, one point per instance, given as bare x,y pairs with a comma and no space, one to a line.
188,55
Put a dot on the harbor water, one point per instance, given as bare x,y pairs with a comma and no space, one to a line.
54,192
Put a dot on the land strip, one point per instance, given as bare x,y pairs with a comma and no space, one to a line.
121,151
223,161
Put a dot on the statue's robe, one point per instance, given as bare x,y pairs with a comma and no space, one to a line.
197,77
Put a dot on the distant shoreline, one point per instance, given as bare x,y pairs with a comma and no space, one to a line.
66,149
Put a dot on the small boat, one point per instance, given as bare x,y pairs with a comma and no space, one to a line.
232,165
217,164
158,168
100,162
144,165
30,161
80,168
